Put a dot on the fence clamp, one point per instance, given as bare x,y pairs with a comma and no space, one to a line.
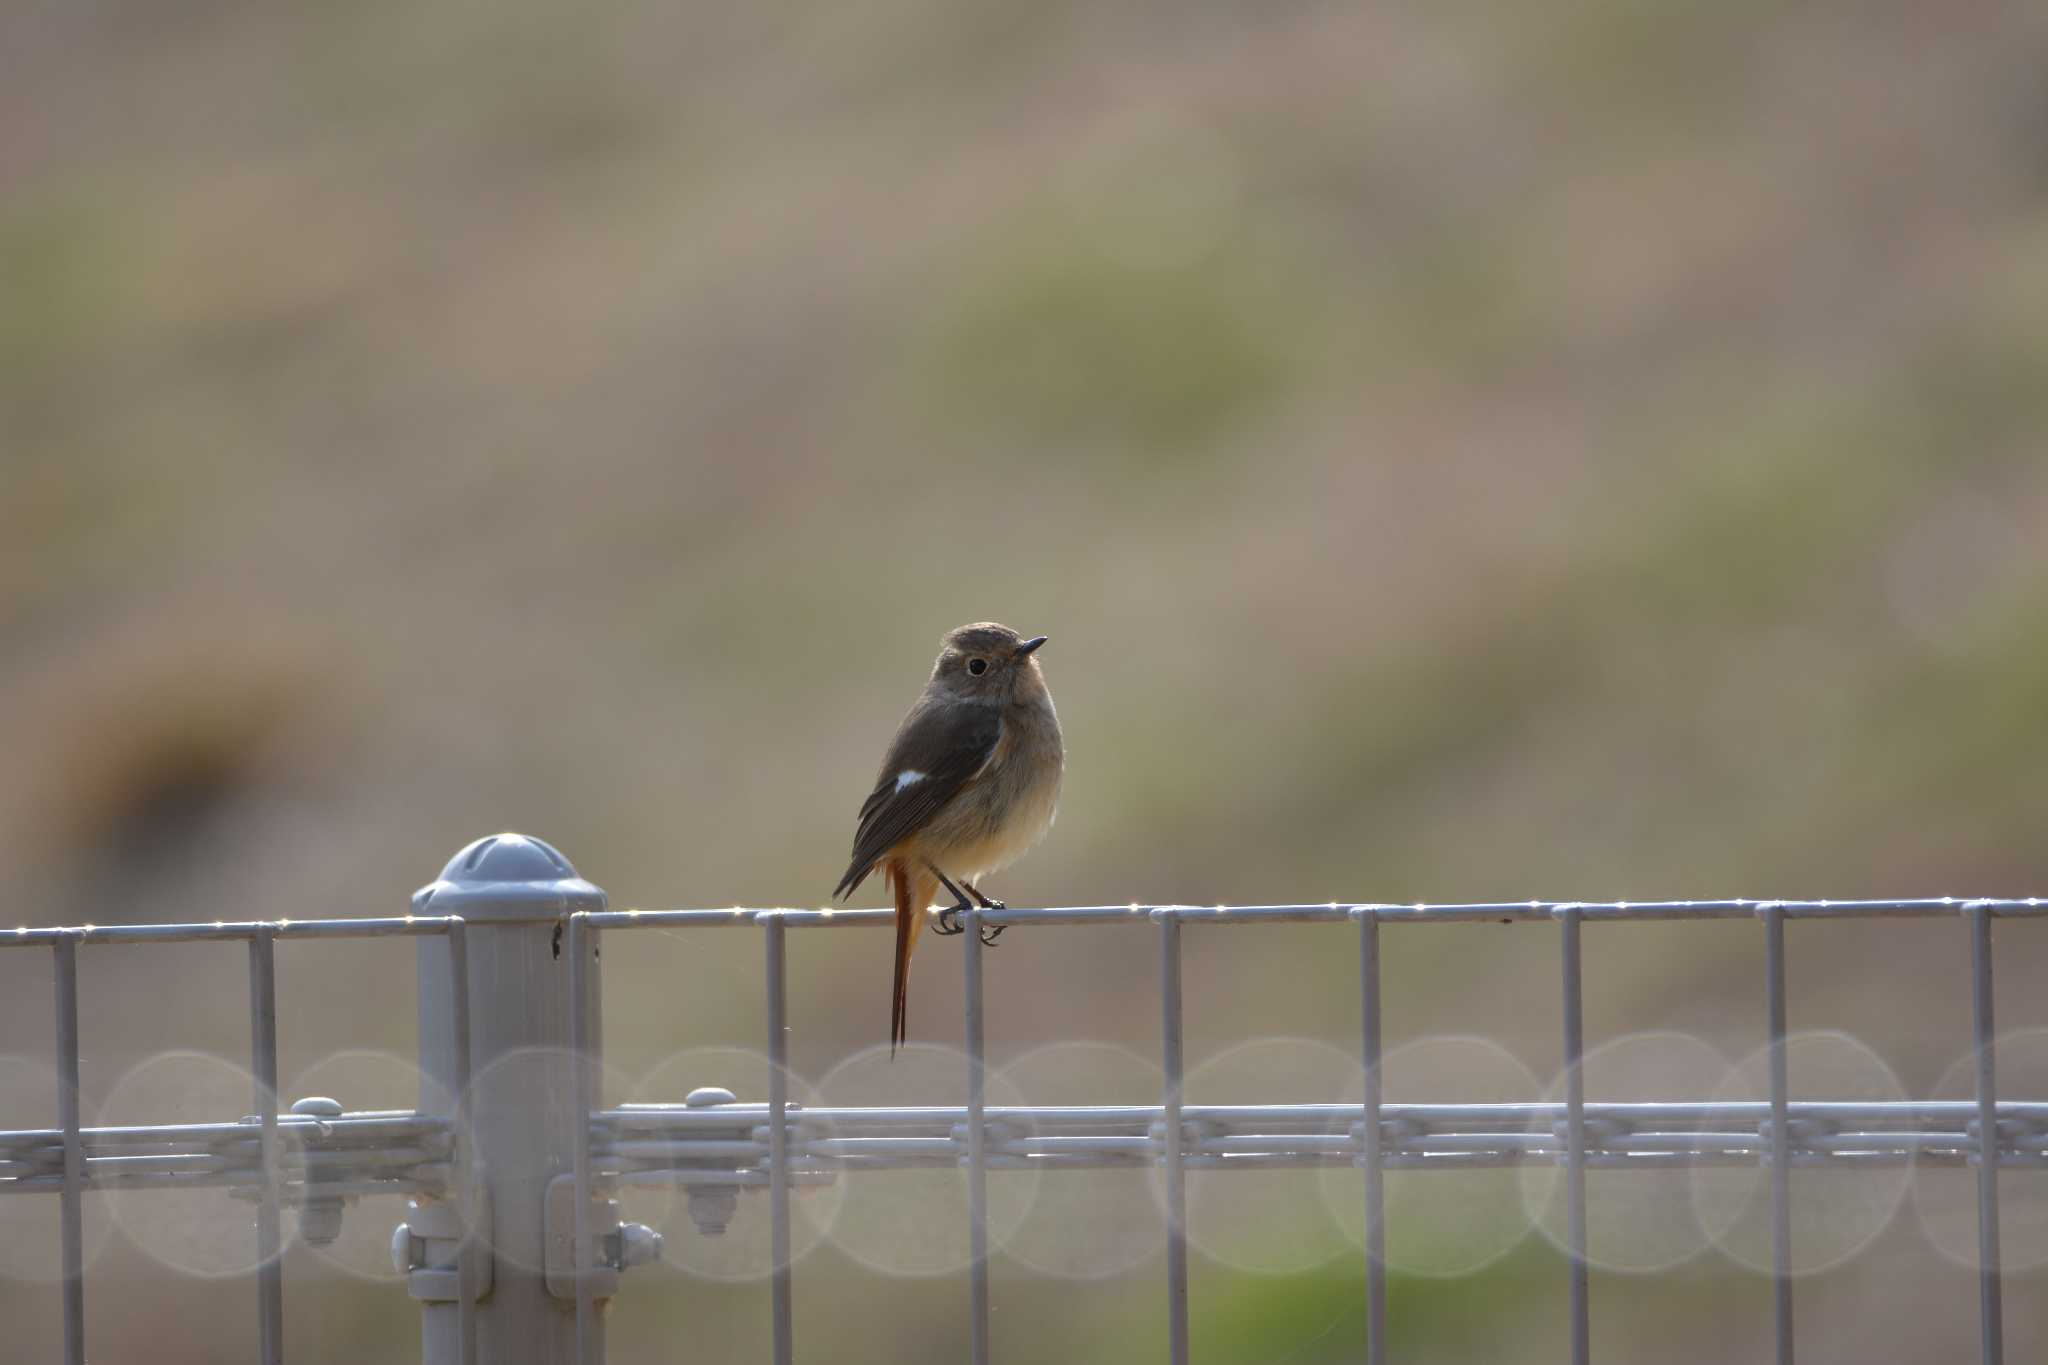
424,1247
619,1246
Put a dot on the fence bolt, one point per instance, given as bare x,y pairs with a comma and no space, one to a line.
319,1214
638,1245
712,1206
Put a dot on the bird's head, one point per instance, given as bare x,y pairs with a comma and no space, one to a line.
986,661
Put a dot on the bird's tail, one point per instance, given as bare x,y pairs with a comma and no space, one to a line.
913,893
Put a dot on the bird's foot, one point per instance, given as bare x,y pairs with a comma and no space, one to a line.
990,936
949,921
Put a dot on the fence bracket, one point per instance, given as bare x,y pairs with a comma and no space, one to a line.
424,1246
618,1245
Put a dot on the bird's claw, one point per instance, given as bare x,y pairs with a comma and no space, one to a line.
949,923
990,935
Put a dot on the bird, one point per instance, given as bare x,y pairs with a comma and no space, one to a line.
969,784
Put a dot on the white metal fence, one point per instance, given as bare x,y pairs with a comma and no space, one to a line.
515,1236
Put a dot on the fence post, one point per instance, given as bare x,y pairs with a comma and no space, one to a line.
514,895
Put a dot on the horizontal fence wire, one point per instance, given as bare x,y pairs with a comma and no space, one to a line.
389,1150
1323,912
1221,1136
282,1160
230,931
386,1153
1333,912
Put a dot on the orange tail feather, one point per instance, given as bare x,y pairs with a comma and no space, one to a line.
913,895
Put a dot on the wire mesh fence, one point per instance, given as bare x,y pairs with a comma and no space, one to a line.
514,1169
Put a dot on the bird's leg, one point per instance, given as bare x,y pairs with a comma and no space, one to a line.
983,901
988,936
947,923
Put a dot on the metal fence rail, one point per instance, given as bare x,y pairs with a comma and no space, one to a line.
363,1153
514,1238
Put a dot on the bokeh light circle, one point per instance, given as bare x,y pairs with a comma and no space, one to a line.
533,1085
1088,1223
202,1229
1638,1219
1945,1193
1271,1221
913,1222
1836,1211
1440,1222
742,1249
362,1081
30,1232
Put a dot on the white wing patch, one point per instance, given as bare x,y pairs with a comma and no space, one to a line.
909,777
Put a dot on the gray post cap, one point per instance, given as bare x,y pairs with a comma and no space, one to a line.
507,876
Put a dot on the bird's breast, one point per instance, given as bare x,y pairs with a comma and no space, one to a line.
1010,806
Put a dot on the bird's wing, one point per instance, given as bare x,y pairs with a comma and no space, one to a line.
940,749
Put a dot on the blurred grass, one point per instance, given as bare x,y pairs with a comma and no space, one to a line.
1065,346
1586,452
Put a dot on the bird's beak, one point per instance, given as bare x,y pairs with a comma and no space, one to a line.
1029,646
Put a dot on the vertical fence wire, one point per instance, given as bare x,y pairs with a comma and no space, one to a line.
583,1254
1990,1287
1781,1133
777,951
70,1213
269,1230
1173,1064
1375,1172
464,1174
977,1155
1569,923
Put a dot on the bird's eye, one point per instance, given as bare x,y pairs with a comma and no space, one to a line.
977,666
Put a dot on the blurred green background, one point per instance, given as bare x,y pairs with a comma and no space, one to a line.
1597,449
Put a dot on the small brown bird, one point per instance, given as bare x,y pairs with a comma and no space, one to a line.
968,786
